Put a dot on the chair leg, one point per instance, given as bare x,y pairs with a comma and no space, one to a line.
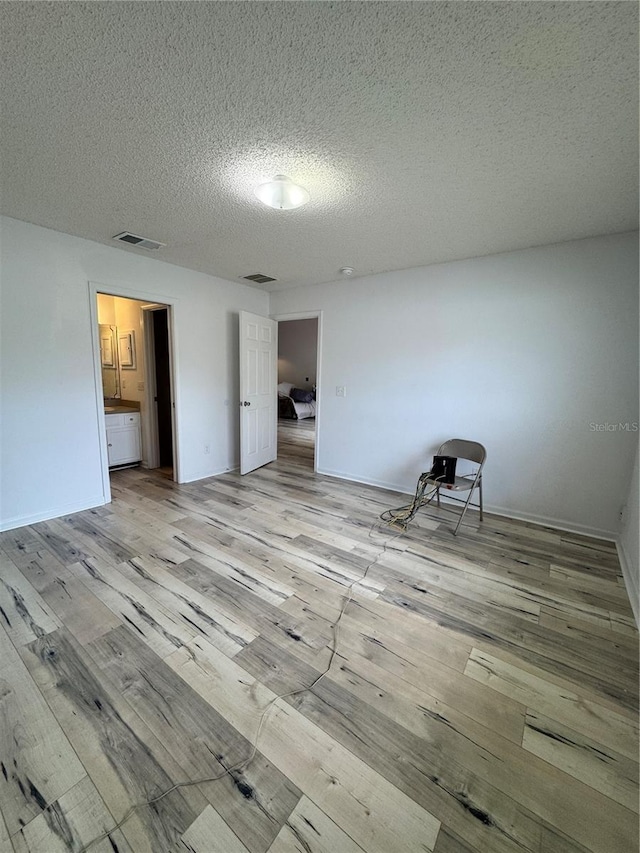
438,496
462,514
480,490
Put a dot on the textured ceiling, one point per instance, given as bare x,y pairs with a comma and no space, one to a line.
425,132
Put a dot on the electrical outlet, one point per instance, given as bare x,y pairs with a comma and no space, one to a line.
341,390
207,448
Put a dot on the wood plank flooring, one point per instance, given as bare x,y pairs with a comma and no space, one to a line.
483,697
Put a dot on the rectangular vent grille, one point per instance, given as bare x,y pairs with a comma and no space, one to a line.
259,278
135,240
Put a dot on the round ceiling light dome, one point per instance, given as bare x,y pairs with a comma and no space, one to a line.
282,194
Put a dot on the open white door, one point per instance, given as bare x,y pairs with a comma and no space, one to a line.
258,380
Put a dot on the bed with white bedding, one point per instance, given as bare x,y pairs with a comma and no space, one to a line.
295,402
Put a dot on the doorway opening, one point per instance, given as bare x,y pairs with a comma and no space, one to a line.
298,389
156,325
135,354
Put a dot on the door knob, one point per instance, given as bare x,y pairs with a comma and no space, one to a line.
246,404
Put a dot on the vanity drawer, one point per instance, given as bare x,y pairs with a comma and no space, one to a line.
128,419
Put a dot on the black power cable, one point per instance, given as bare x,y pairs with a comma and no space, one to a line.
402,515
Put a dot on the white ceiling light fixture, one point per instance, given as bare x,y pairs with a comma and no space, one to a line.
282,194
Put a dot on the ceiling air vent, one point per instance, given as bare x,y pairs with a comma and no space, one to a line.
140,242
259,278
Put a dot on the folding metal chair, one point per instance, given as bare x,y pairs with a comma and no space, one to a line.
471,451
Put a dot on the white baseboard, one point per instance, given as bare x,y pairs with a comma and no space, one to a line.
380,484
68,509
630,581
205,476
23,520
556,524
545,521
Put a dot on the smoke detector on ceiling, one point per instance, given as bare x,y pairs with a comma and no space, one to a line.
348,271
139,242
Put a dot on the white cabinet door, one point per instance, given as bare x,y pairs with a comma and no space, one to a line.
123,445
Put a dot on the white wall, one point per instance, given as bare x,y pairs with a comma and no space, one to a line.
522,351
106,309
126,315
129,317
629,542
297,352
50,440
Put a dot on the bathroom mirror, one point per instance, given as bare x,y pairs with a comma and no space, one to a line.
109,361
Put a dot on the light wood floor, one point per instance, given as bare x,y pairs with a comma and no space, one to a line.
484,696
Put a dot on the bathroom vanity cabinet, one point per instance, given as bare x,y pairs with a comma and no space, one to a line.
123,438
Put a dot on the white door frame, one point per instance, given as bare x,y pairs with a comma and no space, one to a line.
131,292
311,315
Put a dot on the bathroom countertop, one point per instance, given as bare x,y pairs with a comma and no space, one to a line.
119,410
